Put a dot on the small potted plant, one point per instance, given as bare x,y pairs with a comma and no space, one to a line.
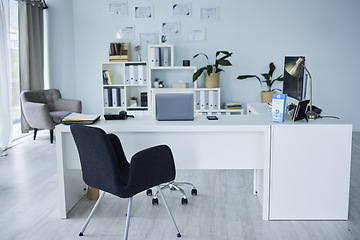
212,71
133,102
266,95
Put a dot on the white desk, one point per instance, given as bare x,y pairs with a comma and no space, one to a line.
234,142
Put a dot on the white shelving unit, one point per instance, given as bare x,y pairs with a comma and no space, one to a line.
161,66
129,83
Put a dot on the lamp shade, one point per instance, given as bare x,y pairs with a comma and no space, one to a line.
294,68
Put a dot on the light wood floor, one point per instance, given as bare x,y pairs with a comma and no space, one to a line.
224,208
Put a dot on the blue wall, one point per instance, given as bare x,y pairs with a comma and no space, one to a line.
257,32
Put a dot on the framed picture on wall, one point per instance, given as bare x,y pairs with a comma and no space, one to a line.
170,28
148,38
119,8
196,34
143,12
209,13
125,32
181,9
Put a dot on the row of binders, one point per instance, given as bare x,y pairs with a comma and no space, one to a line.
207,99
135,74
159,57
114,97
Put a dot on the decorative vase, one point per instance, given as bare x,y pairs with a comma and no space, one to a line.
212,81
156,84
266,96
133,103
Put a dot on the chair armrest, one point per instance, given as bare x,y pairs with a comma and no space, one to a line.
151,167
38,115
68,105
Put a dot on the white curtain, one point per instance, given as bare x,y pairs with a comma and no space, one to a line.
5,80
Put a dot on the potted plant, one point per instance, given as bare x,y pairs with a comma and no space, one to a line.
266,95
133,102
212,72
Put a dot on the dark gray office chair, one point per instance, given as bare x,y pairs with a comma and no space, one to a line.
104,166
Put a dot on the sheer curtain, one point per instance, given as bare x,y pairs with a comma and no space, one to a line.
31,48
5,80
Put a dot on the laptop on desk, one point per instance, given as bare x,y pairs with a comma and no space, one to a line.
174,106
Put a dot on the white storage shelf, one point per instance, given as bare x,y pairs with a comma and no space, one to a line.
128,85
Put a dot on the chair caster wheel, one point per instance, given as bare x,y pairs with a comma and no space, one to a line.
155,201
149,192
184,201
81,234
194,191
178,235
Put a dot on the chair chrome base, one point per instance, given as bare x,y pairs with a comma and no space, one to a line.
175,186
128,213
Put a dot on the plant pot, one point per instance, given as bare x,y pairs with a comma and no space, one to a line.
266,96
212,81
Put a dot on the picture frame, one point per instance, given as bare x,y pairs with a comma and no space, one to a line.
143,12
181,10
148,38
125,32
170,28
209,13
118,8
196,34
300,110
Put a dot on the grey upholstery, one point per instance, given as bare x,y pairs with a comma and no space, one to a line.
43,109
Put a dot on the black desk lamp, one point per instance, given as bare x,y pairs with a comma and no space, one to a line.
294,69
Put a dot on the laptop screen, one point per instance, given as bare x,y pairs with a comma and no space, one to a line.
174,106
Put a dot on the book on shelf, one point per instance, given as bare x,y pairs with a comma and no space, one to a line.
143,98
79,118
233,105
108,78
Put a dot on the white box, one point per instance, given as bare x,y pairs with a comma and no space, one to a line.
180,85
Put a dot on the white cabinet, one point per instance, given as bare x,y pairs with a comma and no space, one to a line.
122,81
310,170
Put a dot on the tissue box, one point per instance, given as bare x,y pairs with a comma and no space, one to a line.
180,85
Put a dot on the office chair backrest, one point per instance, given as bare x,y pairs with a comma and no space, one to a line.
99,164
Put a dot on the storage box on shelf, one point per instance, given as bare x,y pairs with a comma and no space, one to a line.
121,82
119,52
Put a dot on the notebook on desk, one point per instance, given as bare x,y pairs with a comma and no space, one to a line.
174,106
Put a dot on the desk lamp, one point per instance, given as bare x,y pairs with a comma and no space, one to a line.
294,69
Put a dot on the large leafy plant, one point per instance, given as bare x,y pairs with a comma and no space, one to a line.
269,81
220,60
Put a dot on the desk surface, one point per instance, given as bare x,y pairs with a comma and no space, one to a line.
200,124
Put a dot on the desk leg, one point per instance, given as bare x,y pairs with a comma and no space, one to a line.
256,185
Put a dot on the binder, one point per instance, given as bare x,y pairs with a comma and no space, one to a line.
136,74
206,100
122,97
144,74
116,97
197,99
211,100
106,97
127,74
216,99
143,96
154,57
164,57
132,74
110,77
202,99
140,74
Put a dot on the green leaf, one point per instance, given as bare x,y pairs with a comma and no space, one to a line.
272,69
209,69
197,74
223,62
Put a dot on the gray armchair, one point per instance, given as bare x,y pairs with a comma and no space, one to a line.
43,109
